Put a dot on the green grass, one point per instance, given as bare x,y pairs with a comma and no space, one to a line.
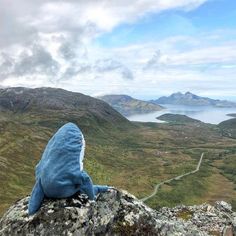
134,157
228,128
185,214
188,190
228,168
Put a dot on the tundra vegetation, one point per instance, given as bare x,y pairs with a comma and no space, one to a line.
129,155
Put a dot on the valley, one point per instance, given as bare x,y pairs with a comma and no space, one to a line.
130,155
172,179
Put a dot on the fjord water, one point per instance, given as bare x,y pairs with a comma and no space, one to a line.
207,114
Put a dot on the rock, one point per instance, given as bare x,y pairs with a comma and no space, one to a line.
221,205
113,213
228,231
215,220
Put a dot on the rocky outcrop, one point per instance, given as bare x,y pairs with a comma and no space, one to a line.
116,213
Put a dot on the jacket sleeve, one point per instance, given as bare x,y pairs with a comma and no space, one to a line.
36,198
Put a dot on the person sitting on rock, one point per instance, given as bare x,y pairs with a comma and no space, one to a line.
60,174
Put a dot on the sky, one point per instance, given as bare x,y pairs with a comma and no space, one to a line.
143,48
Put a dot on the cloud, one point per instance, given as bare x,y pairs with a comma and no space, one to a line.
196,55
103,15
157,62
67,51
108,65
22,20
98,69
38,60
34,60
75,70
52,43
6,66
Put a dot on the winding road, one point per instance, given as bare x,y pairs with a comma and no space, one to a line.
175,178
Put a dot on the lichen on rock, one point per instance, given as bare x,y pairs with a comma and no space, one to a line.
115,213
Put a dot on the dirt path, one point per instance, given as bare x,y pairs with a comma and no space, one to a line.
175,178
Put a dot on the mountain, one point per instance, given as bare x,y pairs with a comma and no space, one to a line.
192,100
29,118
39,100
127,105
117,213
228,128
58,105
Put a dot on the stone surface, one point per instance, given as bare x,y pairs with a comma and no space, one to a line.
116,213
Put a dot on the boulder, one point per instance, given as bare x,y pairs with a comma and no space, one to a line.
113,213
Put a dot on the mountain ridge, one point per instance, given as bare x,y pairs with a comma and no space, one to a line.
128,105
49,100
191,99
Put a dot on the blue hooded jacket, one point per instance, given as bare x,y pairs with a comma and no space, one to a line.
60,174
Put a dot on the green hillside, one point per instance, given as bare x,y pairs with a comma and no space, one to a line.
133,156
228,128
176,118
232,114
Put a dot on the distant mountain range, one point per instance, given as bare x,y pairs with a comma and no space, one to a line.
192,100
127,105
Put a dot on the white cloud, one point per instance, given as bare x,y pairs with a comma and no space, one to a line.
50,43
24,19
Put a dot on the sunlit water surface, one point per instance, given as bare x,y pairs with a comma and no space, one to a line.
207,114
